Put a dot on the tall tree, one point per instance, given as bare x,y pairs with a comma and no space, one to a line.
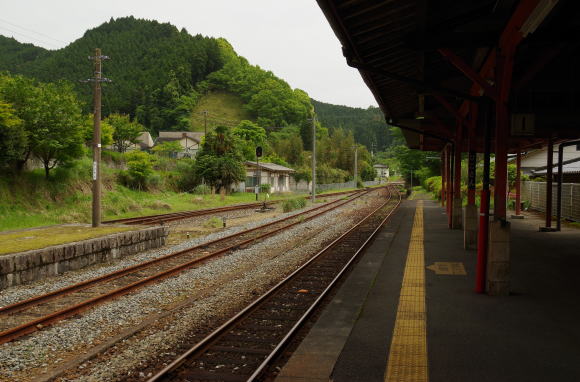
12,136
219,162
125,131
60,126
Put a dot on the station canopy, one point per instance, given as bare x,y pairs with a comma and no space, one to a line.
428,61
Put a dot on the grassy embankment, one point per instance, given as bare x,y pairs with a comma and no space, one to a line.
31,201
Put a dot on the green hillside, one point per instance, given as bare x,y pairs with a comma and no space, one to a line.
223,108
162,76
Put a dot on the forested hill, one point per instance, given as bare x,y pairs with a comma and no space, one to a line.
162,75
367,125
152,64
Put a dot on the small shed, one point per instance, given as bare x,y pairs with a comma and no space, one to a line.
277,176
382,171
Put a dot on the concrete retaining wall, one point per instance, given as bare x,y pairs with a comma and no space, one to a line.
23,267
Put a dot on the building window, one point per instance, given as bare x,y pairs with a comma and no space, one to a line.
251,181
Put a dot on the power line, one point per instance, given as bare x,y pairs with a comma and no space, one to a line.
30,30
29,37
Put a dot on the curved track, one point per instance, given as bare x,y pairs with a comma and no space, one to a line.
38,312
242,348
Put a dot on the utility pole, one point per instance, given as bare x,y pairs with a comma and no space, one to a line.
313,158
205,122
97,79
355,147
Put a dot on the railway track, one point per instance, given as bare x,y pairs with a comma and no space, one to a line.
243,347
175,216
27,316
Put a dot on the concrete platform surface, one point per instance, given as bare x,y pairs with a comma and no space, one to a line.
531,335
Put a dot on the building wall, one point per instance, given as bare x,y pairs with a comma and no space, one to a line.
279,182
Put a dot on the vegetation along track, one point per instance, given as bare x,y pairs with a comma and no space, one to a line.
174,216
242,348
35,313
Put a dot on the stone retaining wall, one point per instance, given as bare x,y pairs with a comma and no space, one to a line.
23,267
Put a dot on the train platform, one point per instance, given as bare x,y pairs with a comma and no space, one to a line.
408,310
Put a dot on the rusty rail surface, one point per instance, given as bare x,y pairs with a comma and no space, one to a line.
180,215
243,347
12,313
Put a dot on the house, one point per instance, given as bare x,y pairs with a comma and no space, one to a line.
382,171
535,161
144,142
189,141
570,170
277,176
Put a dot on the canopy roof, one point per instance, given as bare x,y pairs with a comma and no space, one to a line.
420,58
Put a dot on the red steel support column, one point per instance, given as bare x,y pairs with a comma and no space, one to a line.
472,154
549,178
518,182
483,233
456,213
470,211
443,177
450,187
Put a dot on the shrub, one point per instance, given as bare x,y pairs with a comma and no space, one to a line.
139,173
293,204
265,188
202,189
433,185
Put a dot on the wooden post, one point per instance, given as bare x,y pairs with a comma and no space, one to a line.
97,140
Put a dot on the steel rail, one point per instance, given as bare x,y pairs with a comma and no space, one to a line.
205,343
169,217
32,326
122,272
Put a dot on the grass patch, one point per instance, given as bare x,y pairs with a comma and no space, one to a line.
213,222
293,204
220,105
20,241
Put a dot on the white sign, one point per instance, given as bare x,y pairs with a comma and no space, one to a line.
94,170
523,125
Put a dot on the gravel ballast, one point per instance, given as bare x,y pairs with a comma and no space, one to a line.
221,287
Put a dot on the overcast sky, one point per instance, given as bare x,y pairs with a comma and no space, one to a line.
289,37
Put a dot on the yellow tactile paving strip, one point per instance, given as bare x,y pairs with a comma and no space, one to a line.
408,352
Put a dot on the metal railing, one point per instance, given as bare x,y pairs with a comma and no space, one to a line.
535,194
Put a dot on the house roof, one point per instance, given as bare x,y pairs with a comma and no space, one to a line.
178,135
381,166
145,140
270,166
569,167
